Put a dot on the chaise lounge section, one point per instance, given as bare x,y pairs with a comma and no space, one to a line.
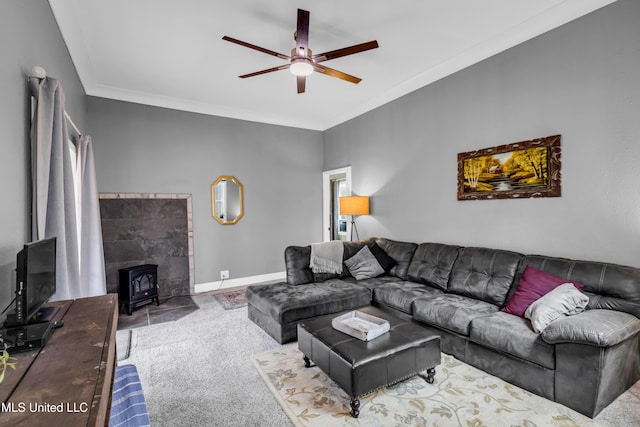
465,295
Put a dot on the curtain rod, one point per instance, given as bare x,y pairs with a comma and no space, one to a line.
40,73
73,125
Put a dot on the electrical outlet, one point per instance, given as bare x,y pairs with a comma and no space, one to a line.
224,274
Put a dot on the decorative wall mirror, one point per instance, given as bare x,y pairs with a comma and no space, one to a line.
227,203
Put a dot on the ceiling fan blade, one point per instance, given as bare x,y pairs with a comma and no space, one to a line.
258,48
268,70
338,53
302,80
335,73
302,33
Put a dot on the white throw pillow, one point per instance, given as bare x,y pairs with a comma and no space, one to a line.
565,300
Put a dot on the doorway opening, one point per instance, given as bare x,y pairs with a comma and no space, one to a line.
336,183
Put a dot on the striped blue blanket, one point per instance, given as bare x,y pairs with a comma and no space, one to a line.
128,408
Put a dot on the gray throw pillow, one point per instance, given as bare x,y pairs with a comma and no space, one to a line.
363,265
565,300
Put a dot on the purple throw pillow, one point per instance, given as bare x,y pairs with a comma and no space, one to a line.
534,284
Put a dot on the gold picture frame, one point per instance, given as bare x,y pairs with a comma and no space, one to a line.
513,171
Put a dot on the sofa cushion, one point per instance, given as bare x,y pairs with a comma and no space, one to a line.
512,335
431,264
609,286
401,252
297,264
401,295
350,249
287,303
451,312
565,300
296,261
386,262
484,274
374,282
533,284
364,265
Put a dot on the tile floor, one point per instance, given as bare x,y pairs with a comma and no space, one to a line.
170,309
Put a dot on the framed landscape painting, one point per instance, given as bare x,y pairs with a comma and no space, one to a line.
513,171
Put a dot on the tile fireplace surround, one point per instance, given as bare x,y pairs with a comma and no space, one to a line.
149,229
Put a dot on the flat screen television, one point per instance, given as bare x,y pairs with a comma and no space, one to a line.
35,281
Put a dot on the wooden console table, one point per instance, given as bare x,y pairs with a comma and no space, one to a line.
68,382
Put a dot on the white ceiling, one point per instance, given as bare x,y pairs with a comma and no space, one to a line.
170,53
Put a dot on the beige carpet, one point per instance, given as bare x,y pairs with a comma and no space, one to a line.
461,396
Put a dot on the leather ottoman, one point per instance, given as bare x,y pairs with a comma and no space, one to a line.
360,367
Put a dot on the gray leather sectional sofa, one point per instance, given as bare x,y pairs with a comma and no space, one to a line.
583,361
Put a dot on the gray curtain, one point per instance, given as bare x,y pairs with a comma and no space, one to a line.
92,274
54,201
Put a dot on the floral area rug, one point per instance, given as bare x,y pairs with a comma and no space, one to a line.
232,299
461,396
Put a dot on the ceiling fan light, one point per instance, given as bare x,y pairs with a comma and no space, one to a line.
301,67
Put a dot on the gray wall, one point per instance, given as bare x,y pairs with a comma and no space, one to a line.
29,36
143,149
580,80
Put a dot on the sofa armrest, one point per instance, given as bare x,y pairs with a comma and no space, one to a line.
600,328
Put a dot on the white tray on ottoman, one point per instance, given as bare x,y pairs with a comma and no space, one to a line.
360,325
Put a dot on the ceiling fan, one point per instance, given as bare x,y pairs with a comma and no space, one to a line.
301,61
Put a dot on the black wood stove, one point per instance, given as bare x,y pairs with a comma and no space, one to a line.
138,285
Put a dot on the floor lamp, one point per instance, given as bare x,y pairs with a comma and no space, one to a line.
354,205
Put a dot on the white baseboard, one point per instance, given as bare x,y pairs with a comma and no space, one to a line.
241,281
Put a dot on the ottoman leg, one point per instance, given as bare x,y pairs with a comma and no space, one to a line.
355,407
307,362
431,373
